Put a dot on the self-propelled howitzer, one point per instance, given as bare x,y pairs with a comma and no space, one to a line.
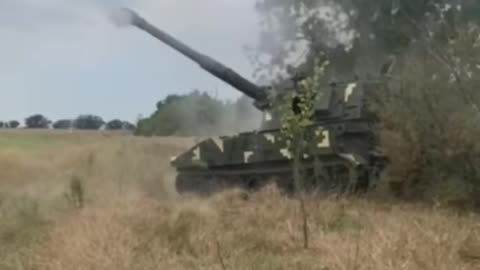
342,145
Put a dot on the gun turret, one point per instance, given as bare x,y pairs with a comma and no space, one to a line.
209,64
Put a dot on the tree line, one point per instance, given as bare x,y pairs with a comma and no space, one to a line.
82,122
9,124
196,114
193,114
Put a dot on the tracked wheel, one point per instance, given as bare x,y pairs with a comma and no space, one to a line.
195,184
338,177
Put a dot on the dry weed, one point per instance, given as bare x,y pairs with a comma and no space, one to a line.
263,232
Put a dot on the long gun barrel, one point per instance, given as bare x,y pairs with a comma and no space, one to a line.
212,66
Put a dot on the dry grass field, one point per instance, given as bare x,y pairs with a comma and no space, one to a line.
105,201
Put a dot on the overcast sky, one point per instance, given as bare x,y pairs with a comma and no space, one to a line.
63,58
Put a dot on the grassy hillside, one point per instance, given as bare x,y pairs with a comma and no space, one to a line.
106,201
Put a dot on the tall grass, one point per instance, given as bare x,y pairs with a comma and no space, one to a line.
130,218
261,233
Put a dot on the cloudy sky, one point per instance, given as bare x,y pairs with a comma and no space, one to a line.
63,58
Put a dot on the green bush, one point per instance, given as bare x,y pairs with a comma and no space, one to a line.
429,118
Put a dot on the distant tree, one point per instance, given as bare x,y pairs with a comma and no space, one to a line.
115,124
63,124
37,121
191,114
168,100
13,124
144,127
88,121
128,126
2,124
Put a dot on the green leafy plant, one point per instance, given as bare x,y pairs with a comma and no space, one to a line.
296,115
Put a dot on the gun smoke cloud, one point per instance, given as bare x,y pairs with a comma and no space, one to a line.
121,17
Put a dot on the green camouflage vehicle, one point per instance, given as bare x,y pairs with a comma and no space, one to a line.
342,158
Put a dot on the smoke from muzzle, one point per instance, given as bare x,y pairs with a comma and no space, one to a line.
122,17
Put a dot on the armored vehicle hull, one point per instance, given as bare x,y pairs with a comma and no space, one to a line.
341,156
